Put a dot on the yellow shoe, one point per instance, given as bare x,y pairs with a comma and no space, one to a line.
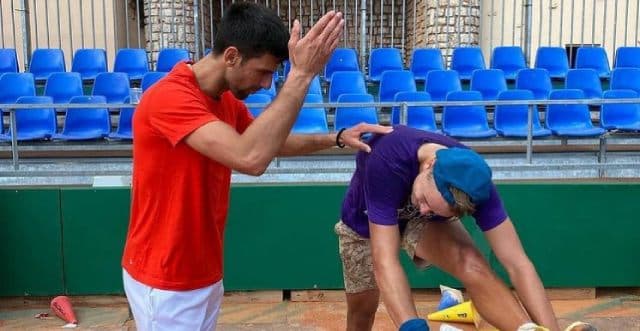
532,327
580,326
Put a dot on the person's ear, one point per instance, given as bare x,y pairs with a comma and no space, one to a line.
231,56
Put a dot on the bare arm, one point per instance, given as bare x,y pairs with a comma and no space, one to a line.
304,144
252,151
506,245
390,277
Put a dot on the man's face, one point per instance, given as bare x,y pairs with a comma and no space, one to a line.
248,76
426,197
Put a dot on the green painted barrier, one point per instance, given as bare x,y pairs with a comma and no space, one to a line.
281,237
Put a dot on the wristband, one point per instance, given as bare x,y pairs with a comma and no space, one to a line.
338,143
415,324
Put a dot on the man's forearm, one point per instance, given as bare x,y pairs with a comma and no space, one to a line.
533,297
301,144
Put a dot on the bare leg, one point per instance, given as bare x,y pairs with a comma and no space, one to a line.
361,309
449,246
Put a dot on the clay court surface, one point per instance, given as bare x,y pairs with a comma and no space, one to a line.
608,309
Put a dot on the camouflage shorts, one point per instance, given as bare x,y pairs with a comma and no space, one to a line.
355,252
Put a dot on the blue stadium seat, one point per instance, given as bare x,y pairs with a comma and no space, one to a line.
151,78
8,60
394,81
441,82
207,51
286,67
62,86
383,59
311,120
424,60
625,79
114,86
347,117
315,87
46,61
132,61
34,124
124,130
489,82
570,120
465,60
89,62
466,121
346,82
536,81
627,57
342,59
554,59
620,116
86,123
271,91
593,58
15,85
419,117
586,80
169,57
509,59
512,120
257,99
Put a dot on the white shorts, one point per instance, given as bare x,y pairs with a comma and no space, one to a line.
156,310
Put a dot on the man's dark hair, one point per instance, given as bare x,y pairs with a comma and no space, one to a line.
254,30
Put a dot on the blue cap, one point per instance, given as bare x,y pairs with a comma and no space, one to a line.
465,170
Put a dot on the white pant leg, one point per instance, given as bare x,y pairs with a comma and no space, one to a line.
157,310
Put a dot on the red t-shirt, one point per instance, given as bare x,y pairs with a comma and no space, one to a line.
179,198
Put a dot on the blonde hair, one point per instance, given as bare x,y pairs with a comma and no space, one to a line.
463,205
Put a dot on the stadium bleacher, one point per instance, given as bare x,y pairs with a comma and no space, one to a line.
425,78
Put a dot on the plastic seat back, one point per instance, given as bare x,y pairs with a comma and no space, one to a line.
535,80
586,80
383,59
425,60
570,119
441,82
62,86
86,123
466,121
311,120
346,82
593,58
342,59
489,82
15,85
394,81
347,117
169,57
509,59
512,120
37,123
625,79
620,116
627,57
419,117
89,62
114,86
46,61
257,98
554,59
132,61
465,60
8,60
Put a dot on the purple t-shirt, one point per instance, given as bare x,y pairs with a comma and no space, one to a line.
381,185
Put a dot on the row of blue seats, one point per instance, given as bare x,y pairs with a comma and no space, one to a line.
464,60
567,120
62,86
89,62
489,82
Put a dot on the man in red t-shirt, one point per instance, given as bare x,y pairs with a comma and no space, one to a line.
190,132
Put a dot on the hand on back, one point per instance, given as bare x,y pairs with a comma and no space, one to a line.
308,55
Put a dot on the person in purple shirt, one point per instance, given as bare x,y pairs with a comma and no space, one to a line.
410,193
